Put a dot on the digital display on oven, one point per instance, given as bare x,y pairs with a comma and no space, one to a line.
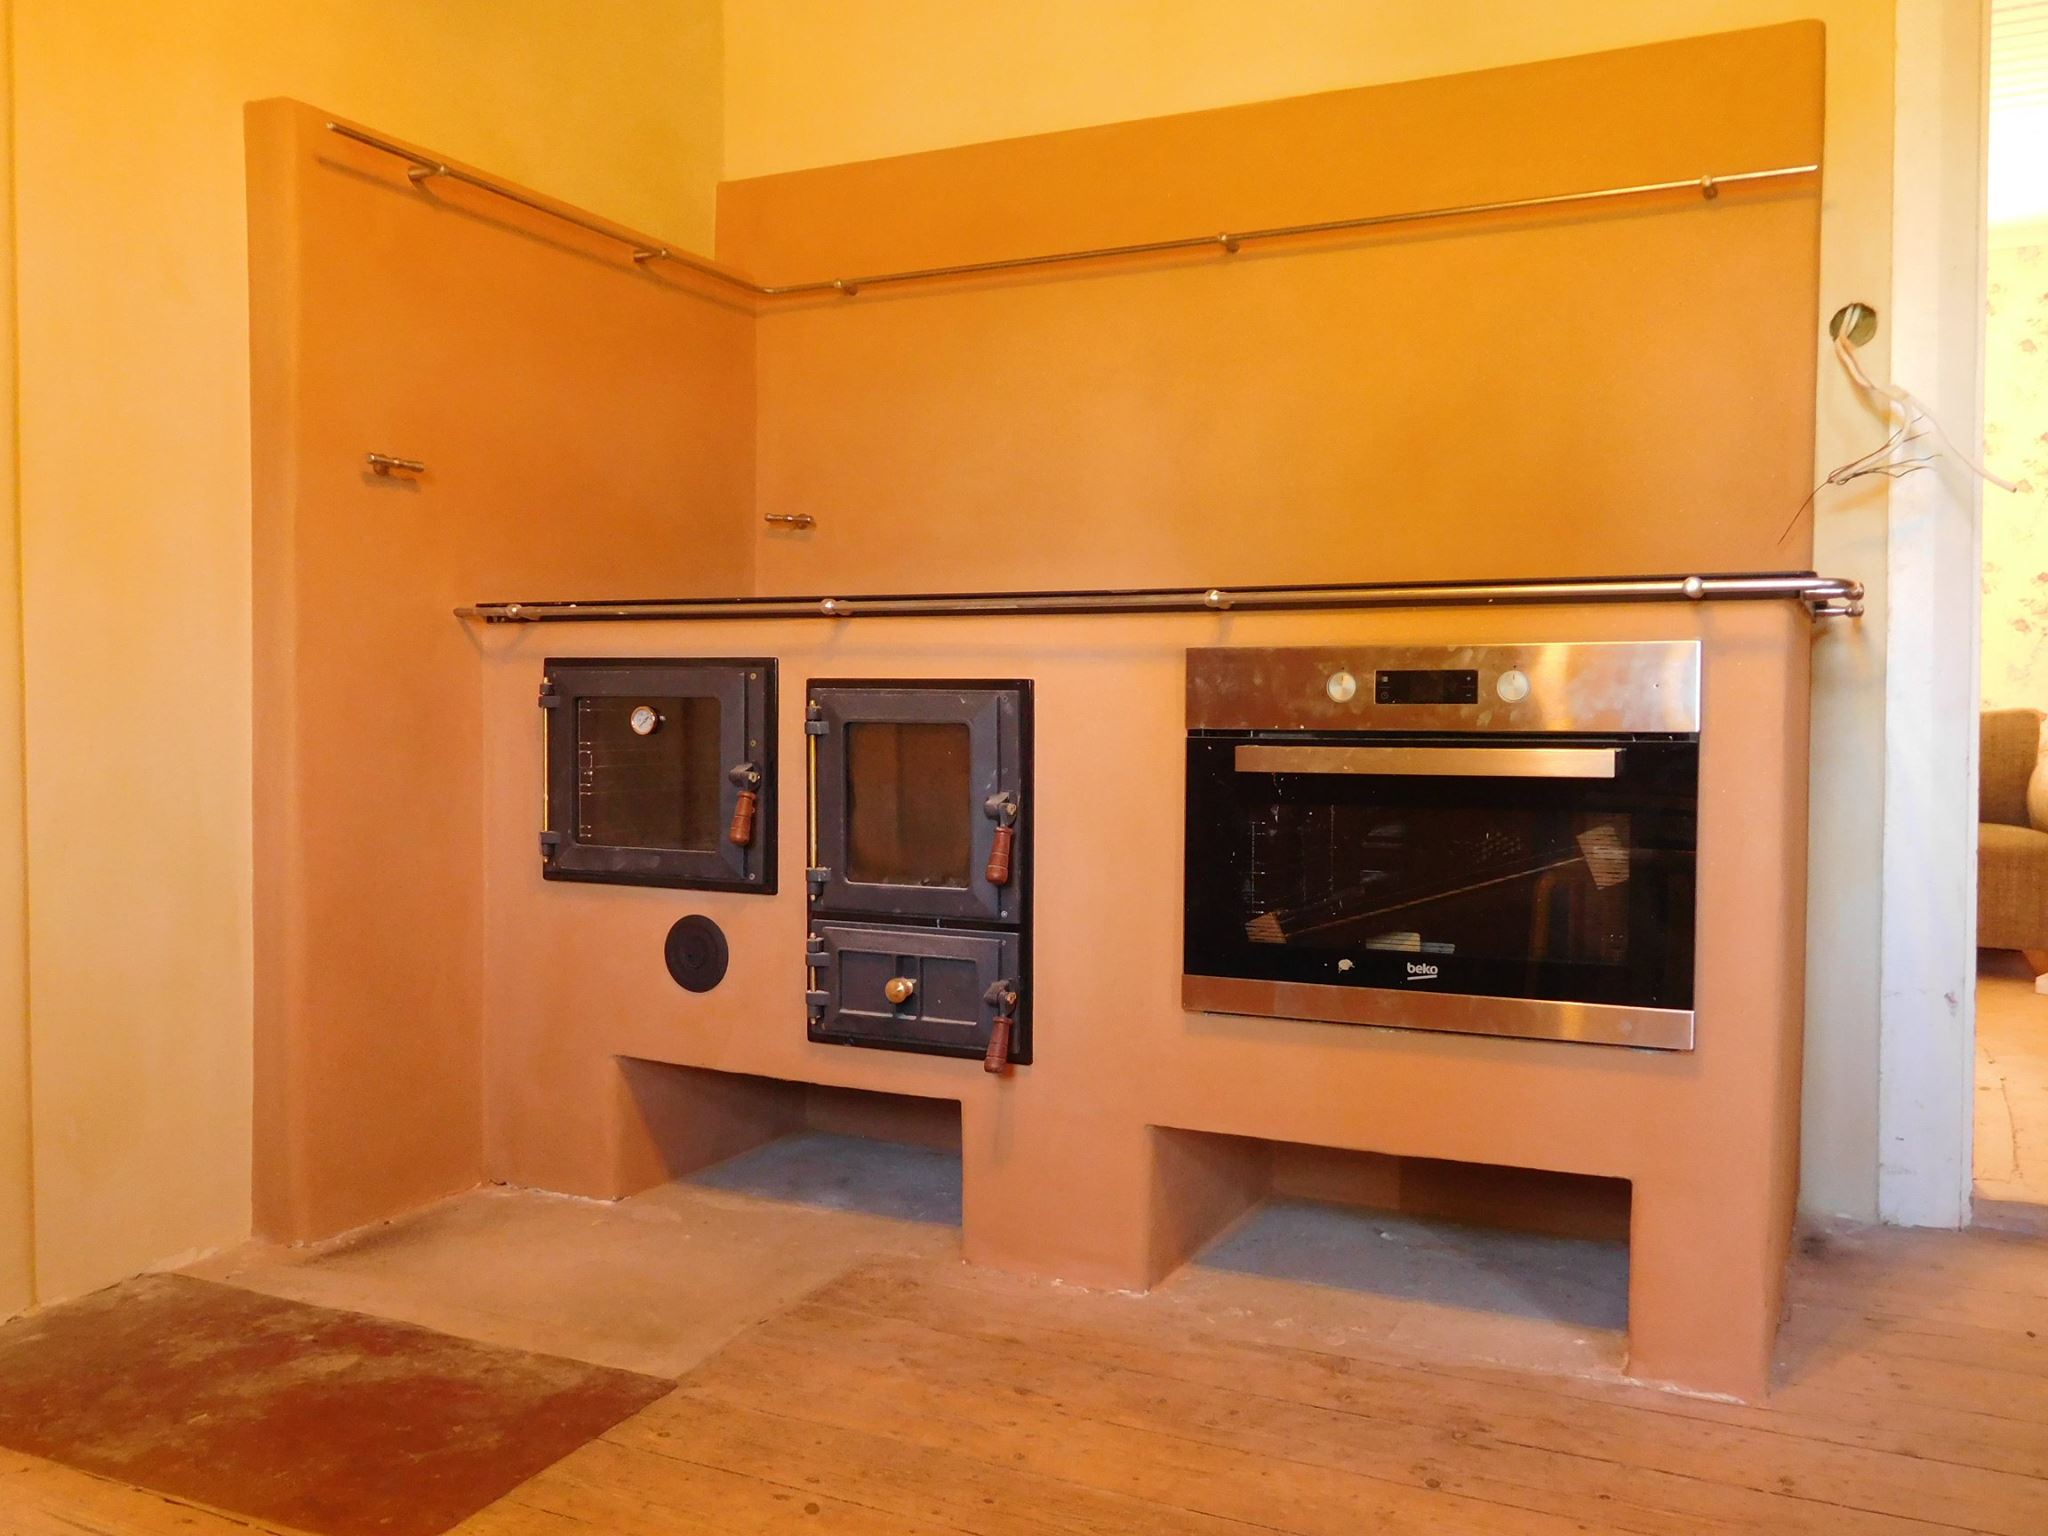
1445,686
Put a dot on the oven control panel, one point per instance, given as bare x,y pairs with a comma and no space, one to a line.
1651,686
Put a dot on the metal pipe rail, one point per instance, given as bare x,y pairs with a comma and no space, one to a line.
1823,597
424,168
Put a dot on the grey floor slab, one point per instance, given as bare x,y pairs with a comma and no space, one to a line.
846,1173
1568,1280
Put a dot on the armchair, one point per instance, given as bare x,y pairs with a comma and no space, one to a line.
2012,845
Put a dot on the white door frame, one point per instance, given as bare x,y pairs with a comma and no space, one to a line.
1927,948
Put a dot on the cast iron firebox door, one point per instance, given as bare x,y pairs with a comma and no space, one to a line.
920,866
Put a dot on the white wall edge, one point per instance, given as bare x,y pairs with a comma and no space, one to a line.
1927,948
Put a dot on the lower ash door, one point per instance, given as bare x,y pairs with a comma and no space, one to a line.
927,990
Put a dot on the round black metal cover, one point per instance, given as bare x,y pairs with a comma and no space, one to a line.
696,953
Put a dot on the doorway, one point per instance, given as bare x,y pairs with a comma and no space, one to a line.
2010,1165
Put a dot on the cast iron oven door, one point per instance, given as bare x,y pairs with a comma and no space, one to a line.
926,990
661,772
916,787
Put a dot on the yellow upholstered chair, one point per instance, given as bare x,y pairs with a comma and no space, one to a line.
2012,835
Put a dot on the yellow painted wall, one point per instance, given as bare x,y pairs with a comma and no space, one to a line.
2015,657
817,82
135,519
17,1247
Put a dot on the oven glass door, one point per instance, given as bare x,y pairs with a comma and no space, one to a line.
1493,867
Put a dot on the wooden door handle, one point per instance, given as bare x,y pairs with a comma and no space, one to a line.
997,1059
1002,810
999,851
741,833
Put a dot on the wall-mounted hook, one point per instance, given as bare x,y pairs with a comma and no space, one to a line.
386,464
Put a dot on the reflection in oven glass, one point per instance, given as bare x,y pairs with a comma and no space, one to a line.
651,784
1482,882
908,803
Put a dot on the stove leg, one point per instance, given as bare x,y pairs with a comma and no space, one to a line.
1706,1285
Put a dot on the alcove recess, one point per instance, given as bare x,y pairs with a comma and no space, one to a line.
1213,1186
687,1120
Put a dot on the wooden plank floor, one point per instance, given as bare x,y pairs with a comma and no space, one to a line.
913,1395
2012,1093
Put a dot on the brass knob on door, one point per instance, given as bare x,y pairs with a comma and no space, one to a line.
900,990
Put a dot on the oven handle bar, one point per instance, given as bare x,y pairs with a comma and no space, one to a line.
1434,762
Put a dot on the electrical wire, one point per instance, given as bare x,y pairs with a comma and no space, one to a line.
1917,422
1911,408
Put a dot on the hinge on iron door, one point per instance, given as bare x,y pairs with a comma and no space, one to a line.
549,842
816,959
815,723
549,699
818,875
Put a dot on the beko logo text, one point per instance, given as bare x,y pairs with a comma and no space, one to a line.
1420,970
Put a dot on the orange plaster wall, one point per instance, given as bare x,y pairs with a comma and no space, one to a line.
587,428
1616,390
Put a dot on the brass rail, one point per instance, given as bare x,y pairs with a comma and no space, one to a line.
422,168
1823,596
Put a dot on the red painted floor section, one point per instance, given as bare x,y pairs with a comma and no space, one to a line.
333,1422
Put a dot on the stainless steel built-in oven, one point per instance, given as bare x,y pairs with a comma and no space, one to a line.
1485,839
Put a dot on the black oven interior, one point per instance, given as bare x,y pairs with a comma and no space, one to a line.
660,772
920,868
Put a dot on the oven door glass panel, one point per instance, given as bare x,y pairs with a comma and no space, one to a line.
648,772
640,772
909,807
902,778
1495,869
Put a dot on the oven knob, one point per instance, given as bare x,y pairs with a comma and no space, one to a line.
1512,686
1342,687
643,720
